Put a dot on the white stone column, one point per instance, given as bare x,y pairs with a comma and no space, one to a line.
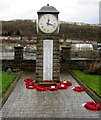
47,60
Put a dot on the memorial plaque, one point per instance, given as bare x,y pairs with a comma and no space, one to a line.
47,60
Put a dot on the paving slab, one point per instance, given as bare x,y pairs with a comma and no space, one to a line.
29,104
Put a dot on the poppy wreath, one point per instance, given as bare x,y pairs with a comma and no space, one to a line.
53,88
92,106
30,85
68,83
27,83
41,88
79,89
28,80
62,86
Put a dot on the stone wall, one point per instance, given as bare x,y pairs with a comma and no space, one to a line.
39,59
56,60
30,65
27,65
76,64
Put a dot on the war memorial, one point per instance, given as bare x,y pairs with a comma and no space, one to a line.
49,93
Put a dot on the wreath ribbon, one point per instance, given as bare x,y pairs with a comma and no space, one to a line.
31,86
68,83
53,88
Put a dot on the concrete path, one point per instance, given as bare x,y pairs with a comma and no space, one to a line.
27,104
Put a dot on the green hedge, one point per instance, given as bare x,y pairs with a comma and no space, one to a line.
91,54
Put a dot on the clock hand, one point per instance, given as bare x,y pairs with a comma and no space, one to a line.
50,24
48,21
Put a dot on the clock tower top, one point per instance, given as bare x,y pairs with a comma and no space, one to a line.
48,22
48,9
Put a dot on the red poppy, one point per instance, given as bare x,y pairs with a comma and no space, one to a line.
92,106
79,89
68,83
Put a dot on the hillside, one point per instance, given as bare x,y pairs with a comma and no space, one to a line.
19,28
71,31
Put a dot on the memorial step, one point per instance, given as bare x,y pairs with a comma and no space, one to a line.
46,83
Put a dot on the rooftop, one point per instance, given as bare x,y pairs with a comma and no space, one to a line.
48,9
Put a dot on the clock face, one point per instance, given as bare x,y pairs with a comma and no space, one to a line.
48,23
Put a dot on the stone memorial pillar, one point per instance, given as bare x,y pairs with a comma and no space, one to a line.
66,53
100,54
48,54
18,53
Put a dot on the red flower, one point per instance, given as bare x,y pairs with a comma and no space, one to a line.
92,106
79,89
28,80
68,83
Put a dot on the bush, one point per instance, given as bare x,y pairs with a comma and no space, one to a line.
91,54
95,68
5,67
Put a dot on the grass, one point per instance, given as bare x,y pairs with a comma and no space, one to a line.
5,80
92,81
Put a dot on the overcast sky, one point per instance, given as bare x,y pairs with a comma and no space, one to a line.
86,11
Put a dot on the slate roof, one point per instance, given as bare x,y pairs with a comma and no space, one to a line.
48,9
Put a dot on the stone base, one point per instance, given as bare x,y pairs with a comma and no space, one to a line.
46,84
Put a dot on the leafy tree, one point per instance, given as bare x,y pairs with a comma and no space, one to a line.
9,34
18,33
